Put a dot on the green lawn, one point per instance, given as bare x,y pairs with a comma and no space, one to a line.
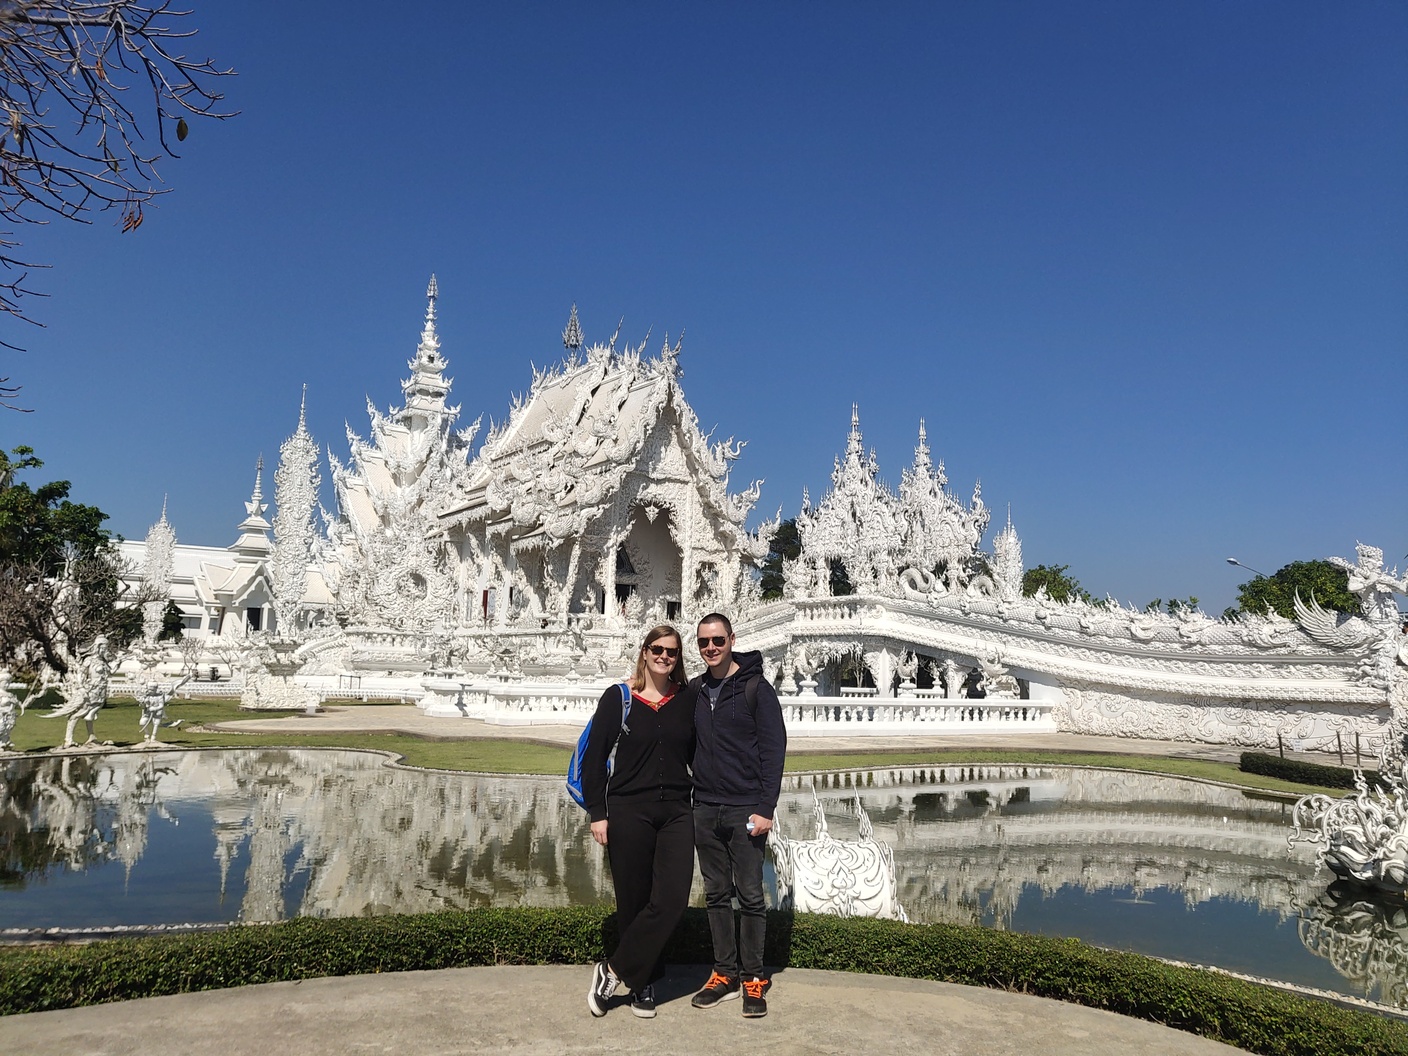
117,722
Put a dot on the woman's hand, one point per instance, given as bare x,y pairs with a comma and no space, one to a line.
599,832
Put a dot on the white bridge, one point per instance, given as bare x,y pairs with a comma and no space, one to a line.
856,713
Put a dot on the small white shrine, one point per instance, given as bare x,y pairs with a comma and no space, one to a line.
510,581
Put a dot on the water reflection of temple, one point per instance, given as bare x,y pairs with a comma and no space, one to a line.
321,833
972,840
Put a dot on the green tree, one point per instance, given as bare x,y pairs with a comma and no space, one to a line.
1174,606
786,545
173,623
40,526
1059,586
46,541
1321,580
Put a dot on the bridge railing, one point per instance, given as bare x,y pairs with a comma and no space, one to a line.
849,716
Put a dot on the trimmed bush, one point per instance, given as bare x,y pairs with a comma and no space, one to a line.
1257,1018
1302,772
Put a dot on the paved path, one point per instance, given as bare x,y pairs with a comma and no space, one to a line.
407,718
531,1010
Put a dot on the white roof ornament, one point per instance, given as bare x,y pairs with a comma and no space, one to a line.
255,506
572,335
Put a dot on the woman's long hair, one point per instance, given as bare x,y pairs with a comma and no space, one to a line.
654,635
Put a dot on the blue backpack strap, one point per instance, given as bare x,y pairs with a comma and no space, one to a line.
625,705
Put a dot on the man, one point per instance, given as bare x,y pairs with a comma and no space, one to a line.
740,742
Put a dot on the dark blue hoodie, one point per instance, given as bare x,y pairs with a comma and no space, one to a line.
739,751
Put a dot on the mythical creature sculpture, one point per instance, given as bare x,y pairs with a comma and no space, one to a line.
153,698
85,692
844,878
1375,636
1363,837
11,706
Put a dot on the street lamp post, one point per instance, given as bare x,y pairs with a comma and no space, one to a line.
1234,561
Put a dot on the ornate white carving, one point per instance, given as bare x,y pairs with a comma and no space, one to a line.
296,484
842,878
1363,837
156,575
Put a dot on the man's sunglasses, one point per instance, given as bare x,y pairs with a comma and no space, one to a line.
670,651
719,640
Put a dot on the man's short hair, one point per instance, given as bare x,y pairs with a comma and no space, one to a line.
717,617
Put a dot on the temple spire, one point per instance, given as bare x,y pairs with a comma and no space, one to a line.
302,410
855,444
572,335
255,506
254,539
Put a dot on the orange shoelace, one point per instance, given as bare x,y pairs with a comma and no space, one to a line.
717,980
754,987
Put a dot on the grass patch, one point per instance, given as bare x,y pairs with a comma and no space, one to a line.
1257,1018
118,720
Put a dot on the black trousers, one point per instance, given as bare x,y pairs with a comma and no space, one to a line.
651,850
731,862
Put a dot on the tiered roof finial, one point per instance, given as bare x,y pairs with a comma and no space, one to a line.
255,506
429,339
572,335
302,409
855,445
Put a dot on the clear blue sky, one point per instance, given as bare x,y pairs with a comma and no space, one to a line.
1141,267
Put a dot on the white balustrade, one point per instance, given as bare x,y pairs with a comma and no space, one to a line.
853,716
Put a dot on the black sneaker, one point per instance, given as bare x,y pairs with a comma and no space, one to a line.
755,1006
603,986
719,988
643,1002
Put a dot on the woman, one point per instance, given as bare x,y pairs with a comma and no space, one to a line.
642,816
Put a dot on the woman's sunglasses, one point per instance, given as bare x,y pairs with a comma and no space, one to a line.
669,651
719,640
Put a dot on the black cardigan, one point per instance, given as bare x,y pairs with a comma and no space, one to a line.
653,754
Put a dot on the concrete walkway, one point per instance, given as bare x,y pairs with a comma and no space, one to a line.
531,1010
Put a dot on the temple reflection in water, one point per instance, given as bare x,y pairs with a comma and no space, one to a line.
262,835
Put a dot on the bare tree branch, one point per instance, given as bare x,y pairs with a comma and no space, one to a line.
107,64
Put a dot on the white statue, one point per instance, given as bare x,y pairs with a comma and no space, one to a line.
1363,837
153,698
85,692
12,705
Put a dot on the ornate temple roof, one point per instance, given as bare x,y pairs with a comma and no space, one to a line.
584,427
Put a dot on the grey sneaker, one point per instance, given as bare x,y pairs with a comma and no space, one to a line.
755,1006
643,1002
603,986
719,988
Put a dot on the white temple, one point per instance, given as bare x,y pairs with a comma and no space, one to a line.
510,581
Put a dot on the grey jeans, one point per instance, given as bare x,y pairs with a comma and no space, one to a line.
731,862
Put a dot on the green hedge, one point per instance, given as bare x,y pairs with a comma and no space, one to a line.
1305,773
1257,1018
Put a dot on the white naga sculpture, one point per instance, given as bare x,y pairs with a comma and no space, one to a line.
843,878
153,698
1363,837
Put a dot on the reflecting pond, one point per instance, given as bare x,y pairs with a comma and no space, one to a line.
1163,866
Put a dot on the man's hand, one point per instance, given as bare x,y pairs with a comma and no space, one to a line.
599,832
761,825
